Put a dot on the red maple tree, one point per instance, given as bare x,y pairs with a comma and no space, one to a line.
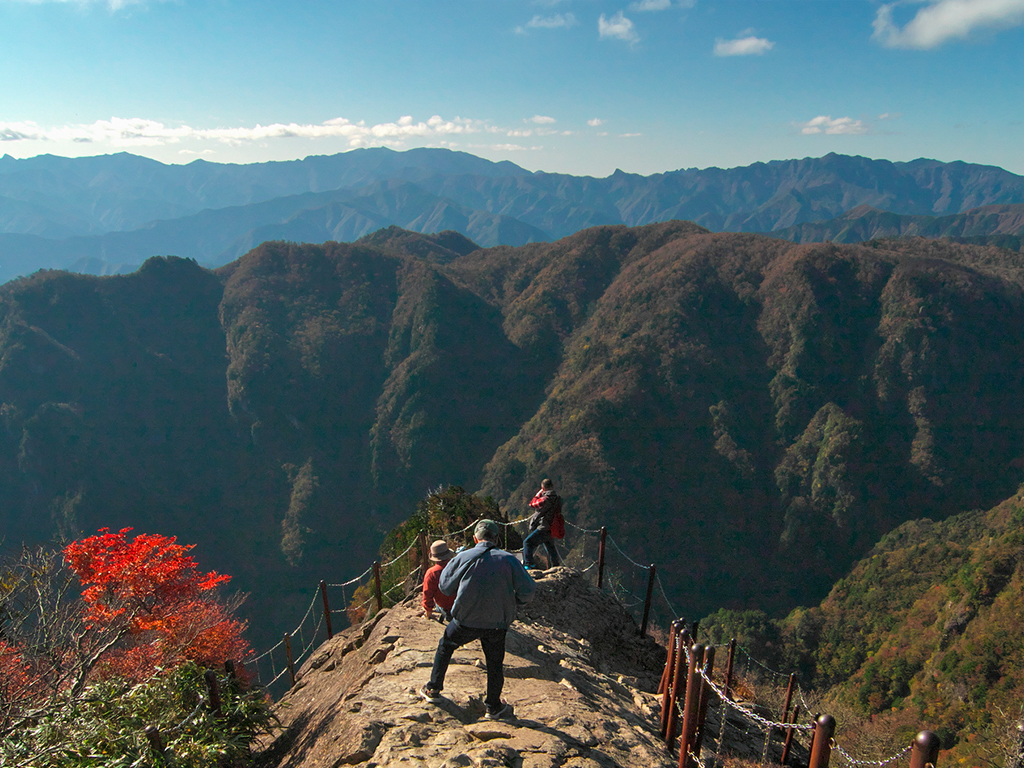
151,587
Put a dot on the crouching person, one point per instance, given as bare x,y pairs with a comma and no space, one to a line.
440,554
489,584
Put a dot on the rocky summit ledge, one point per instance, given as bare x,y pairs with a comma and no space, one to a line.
581,681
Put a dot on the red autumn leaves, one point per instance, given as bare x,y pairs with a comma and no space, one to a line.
151,588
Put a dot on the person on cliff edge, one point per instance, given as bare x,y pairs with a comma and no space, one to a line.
489,585
545,504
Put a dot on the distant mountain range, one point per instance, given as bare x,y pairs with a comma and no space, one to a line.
107,214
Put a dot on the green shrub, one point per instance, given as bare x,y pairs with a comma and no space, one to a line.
106,727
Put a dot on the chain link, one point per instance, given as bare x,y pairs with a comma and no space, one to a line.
350,582
616,545
399,557
853,761
581,528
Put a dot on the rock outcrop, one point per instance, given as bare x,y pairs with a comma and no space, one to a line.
581,681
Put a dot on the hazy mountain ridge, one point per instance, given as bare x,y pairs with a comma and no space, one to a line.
123,209
985,223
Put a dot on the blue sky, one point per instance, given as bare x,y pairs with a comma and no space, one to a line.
573,86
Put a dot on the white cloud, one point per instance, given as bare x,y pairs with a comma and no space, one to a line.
942,20
556,21
541,120
629,135
743,46
840,125
618,26
134,132
505,147
595,122
651,5
519,133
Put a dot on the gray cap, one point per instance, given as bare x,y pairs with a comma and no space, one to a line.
486,530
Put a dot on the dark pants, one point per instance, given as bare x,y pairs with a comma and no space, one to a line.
534,540
493,641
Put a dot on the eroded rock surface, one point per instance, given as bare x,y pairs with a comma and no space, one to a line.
580,680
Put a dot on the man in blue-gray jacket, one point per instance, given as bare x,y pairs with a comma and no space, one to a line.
489,584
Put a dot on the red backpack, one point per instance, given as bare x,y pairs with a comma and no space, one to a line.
558,522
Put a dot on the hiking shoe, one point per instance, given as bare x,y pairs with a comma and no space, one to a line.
429,694
501,713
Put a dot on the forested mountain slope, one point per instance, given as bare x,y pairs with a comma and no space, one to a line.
926,629
748,413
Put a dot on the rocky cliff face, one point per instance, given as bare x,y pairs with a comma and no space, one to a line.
581,681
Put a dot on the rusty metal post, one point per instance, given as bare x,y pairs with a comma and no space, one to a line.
670,660
327,609
213,689
156,742
288,650
705,696
690,707
678,690
600,558
789,736
728,669
376,585
925,752
821,747
647,601
789,697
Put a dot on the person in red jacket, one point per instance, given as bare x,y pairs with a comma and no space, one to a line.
544,505
439,555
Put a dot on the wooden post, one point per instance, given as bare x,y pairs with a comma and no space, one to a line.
690,707
925,752
213,689
728,669
600,558
156,742
288,650
677,690
327,609
647,601
821,747
424,552
705,695
376,585
789,736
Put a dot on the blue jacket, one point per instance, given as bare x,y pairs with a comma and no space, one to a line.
489,583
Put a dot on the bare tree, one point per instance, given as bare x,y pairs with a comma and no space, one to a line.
47,649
